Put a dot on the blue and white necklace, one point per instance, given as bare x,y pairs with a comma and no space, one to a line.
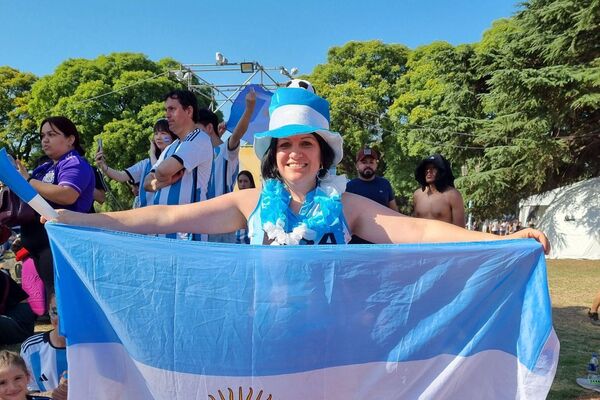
321,210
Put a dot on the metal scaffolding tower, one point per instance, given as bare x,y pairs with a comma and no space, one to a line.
197,78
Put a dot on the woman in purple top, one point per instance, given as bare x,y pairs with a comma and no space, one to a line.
66,181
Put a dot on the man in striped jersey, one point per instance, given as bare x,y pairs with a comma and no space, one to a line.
182,172
45,355
226,159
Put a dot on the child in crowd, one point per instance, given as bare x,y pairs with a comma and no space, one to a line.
14,378
45,355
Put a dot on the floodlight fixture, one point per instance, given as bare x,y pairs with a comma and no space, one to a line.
247,67
294,71
219,58
283,71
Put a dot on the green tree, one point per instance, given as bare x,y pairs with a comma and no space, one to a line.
93,93
434,109
17,128
117,97
519,109
358,81
540,130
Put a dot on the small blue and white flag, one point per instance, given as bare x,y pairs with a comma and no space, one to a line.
13,179
259,121
153,318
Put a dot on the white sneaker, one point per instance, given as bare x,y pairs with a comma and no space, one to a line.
591,382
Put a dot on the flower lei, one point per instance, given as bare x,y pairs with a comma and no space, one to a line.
325,201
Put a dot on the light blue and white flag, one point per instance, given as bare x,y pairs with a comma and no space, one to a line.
259,121
13,179
153,318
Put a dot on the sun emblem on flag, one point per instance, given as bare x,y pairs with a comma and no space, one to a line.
229,394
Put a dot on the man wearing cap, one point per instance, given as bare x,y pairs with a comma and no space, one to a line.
368,184
437,198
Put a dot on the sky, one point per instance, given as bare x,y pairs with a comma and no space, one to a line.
41,34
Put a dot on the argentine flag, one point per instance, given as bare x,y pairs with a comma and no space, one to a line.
154,318
259,121
11,178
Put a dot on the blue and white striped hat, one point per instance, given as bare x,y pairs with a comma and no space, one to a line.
295,111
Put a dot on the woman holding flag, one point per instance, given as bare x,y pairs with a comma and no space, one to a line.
301,202
66,181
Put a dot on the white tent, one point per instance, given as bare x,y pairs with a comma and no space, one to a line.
570,216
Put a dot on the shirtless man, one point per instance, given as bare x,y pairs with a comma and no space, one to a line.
437,198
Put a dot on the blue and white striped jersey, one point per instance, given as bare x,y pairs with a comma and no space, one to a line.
195,153
45,362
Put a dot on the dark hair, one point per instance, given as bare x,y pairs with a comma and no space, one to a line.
9,358
186,99
268,165
444,178
250,177
207,117
162,125
67,127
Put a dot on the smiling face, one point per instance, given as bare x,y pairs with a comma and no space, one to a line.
298,160
13,383
54,142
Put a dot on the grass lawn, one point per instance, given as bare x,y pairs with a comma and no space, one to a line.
573,283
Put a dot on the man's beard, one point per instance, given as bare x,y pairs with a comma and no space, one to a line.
366,173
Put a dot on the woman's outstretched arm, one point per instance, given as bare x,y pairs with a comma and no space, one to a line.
222,214
379,224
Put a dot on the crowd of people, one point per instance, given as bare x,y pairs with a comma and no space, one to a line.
186,191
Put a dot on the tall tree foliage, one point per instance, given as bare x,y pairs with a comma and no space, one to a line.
93,93
358,80
17,127
117,97
519,110
436,101
542,107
